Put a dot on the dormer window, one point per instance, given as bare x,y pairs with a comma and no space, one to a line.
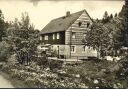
80,23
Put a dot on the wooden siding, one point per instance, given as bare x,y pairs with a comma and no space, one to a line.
79,30
50,40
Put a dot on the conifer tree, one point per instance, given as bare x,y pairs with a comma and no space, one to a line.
105,17
124,15
115,15
111,16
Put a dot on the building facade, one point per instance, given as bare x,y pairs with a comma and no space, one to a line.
66,35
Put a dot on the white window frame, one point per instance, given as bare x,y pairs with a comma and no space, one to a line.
46,37
73,35
58,36
53,36
74,49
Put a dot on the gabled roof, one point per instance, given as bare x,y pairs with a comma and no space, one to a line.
62,23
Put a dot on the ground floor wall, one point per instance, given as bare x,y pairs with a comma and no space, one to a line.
79,51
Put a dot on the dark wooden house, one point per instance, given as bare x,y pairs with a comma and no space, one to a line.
66,33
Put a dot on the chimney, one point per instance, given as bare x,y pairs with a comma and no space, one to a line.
67,13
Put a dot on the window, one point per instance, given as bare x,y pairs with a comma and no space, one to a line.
58,35
88,25
84,48
73,49
53,36
73,35
40,37
46,37
80,23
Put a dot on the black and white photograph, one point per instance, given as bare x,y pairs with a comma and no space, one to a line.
64,44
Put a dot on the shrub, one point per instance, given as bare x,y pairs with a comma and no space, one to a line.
52,64
42,61
5,50
55,64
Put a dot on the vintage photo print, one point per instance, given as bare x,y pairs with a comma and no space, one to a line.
64,44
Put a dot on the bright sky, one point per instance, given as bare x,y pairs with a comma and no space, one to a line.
45,11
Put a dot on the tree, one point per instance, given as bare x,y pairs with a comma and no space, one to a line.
23,38
111,16
105,17
2,26
25,22
98,38
16,24
115,15
123,15
115,29
117,39
123,72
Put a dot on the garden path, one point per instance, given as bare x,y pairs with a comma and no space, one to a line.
4,83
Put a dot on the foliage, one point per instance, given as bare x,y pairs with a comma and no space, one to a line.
98,37
77,76
124,16
115,15
4,51
122,73
107,37
23,38
116,34
105,17
42,61
55,64
111,16
2,26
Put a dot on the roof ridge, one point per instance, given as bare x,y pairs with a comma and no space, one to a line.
62,23
70,14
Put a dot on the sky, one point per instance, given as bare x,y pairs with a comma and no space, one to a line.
41,12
